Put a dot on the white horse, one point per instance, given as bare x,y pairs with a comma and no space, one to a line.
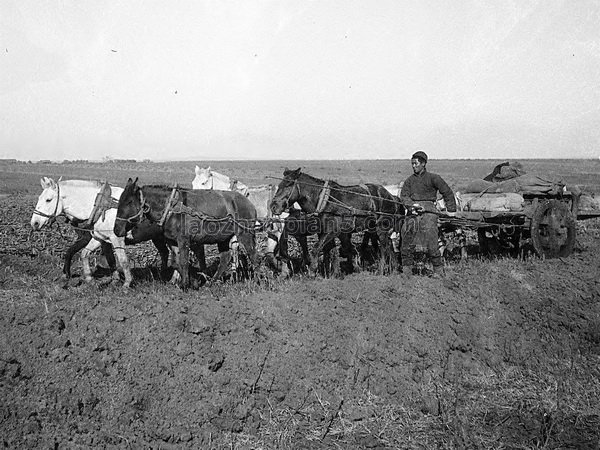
75,199
260,196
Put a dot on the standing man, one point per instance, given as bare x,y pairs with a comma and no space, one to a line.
420,227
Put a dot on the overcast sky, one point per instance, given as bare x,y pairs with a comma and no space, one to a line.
327,79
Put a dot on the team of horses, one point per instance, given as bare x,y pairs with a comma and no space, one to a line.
222,211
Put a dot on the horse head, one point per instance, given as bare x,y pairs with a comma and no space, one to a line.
131,208
204,178
49,204
287,193
210,179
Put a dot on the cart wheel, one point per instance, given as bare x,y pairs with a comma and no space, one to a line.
553,229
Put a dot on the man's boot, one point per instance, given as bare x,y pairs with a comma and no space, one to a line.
407,264
438,271
438,267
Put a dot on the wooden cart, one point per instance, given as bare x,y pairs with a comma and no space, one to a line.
549,221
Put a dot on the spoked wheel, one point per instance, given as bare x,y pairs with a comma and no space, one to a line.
553,229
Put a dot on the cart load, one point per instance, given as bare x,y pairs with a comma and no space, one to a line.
510,205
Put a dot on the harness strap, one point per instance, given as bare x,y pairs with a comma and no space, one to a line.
171,201
233,185
272,190
323,198
371,199
103,202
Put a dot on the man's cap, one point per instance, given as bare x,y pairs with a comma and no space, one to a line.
420,155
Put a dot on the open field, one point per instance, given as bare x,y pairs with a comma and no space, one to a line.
502,353
23,177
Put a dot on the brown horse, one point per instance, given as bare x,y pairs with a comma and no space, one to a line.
191,218
342,210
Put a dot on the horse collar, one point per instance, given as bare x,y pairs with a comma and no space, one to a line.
323,198
171,201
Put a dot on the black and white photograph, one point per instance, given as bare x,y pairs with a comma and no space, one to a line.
300,224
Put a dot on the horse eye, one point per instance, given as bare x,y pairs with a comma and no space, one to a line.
48,200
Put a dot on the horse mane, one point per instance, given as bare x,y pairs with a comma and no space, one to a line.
157,186
220,175
312,178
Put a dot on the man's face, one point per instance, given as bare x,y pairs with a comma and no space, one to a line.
417,165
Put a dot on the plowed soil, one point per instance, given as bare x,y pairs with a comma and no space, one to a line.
502,353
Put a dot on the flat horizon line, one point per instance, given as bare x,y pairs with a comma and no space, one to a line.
150,160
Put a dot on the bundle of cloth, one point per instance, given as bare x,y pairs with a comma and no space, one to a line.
511,178
503,189
500,202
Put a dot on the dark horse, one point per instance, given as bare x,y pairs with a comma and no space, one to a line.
189,219
300,225
142,232
342,210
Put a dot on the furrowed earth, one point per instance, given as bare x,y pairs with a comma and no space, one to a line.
501,353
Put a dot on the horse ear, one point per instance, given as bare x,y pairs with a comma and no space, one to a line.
52,183
208,170
44,182
59,179
197,170
129,181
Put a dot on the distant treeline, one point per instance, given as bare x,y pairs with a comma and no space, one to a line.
74,161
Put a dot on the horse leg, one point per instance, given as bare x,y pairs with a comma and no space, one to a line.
234,247
224,259
324,239
274,245
349,252
183,244
303,242
364,246
248,242
118,244
83,239
387,257
109,255
92,245
198,250
331,262
161,246
174,262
